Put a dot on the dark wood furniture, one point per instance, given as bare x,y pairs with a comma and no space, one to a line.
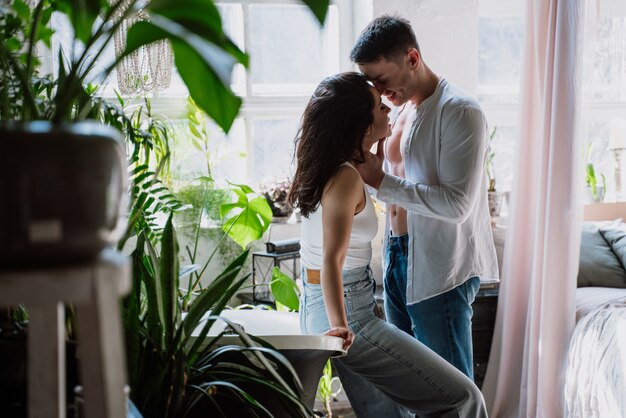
483,321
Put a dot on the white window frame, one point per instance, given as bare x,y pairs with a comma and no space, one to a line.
281,106
351,15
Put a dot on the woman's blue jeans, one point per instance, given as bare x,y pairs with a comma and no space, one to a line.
443,323
386,372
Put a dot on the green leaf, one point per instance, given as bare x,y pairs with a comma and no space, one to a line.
155,312
244,188
210,90
207,24
22,9
13,45
250,223
131,313
194,131
319,8
169,279
203,66
209,297
284,289
45,35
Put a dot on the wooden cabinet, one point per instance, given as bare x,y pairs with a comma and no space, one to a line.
483,321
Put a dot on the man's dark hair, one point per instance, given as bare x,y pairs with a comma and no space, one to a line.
386,36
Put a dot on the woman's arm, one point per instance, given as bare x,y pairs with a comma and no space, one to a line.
342,198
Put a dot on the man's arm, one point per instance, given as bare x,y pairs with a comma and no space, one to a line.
461,171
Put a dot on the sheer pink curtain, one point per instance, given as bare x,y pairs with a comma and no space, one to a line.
536,305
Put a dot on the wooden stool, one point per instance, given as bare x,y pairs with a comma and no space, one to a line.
94,289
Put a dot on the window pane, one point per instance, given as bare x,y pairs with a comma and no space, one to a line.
290,52
499,58
63,38
232,21
599,134
224,154
503,146
272,148
609,73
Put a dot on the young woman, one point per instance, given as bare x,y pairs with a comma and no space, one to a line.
386,372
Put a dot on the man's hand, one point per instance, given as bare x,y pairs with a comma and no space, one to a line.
345,333
372,169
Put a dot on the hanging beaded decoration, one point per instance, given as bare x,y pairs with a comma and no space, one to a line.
147,69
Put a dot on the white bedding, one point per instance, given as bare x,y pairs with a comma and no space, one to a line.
595,380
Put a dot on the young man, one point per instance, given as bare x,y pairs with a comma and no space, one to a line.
439,240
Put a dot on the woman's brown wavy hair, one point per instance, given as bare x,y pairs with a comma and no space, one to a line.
332,129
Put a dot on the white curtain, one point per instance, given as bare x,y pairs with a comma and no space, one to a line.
535,315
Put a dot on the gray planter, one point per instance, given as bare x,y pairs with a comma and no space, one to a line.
63,191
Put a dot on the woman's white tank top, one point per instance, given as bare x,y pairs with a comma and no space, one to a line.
364,228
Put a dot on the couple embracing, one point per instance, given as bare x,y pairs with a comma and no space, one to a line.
438,240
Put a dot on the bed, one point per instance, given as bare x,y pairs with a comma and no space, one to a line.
595,374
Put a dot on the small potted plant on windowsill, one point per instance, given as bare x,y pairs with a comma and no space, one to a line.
494,196
275,193
596,186
595,191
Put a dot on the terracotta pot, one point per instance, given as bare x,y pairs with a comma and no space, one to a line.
64,191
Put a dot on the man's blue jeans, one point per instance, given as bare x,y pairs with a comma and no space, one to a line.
387,373
443,323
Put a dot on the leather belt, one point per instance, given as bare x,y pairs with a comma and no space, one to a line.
313,276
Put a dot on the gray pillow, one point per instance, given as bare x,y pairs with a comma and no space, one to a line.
616,237
599,264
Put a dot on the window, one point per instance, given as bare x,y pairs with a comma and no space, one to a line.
501,38
500,45
604,93
290,54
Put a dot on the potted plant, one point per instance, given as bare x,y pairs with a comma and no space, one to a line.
275,193
494,196
91,214
66,177
596,187
172,375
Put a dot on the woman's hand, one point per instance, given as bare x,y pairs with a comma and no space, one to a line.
345,333
372,169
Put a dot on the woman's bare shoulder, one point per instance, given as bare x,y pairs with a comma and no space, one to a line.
346,184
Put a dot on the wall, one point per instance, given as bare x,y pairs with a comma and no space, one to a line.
447,33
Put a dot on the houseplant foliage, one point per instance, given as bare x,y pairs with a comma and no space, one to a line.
275,193
489,162
167,376
203,54
171,373
495,197
595,185
287,296
188,374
